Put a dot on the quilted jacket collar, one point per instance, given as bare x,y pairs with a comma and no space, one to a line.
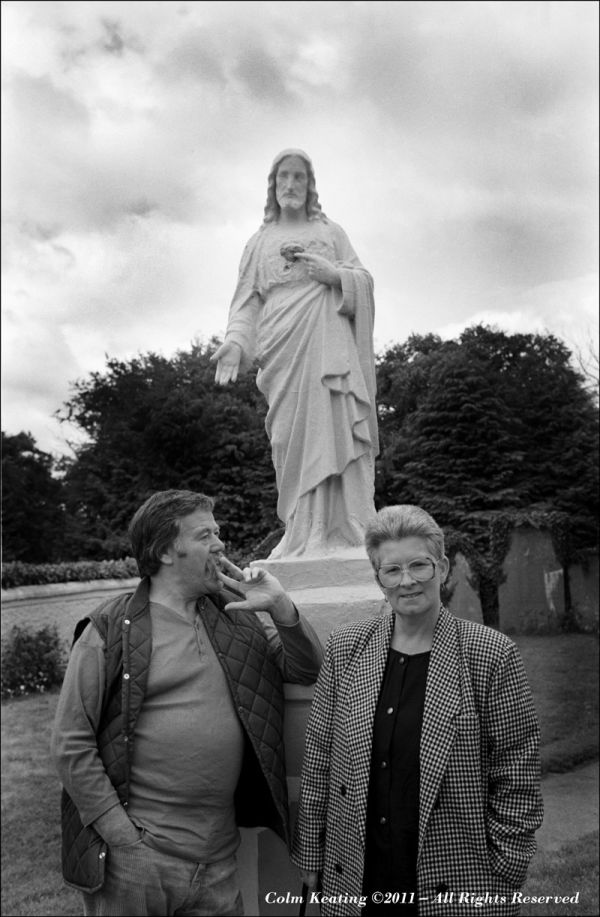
139,601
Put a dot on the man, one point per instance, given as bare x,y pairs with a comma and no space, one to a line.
169,726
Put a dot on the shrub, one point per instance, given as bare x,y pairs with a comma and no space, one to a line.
32,661
22,574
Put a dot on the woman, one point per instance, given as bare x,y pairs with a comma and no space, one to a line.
421,781
303,308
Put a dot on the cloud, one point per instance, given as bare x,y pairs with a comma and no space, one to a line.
262,75
36,366
116,41
66,165
567,309
455,142
195,57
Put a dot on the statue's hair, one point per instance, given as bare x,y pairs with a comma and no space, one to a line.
313,207
403,521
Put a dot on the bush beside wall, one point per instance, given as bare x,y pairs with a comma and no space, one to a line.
32,661
21,574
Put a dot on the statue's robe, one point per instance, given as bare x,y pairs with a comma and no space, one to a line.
314,348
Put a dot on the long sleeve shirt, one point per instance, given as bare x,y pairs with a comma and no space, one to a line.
188,744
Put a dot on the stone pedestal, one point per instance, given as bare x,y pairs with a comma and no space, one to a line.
330,591
350,566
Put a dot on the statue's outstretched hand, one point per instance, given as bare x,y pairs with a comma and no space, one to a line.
227,358
320,268
262,591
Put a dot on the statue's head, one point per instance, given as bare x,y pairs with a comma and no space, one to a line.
272,208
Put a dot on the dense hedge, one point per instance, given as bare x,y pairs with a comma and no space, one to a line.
21,574
32,661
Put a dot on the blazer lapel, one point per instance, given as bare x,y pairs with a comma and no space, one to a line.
366,676
442,705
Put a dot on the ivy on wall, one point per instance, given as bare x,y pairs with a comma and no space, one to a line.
486,554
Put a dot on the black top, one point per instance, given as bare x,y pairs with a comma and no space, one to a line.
392,832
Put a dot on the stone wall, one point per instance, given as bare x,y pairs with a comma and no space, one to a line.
464,601
532,598
583,578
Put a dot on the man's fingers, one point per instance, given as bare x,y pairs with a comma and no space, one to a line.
247,575
230,581
239,606
231,569
254,574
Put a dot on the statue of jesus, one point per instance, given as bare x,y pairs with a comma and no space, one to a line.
303,309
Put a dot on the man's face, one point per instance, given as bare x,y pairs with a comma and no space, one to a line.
193,554
291,184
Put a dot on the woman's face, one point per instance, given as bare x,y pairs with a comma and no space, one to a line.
414,590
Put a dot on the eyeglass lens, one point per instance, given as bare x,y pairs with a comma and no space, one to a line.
419,570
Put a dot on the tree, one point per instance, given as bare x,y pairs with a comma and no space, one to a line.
33,515
156,424
489,424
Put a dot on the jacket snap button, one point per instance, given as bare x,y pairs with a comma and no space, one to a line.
125,676
101,855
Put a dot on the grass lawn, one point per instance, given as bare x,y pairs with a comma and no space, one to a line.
31,876
563,873
563,674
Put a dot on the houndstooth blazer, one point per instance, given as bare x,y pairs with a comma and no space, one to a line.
480,800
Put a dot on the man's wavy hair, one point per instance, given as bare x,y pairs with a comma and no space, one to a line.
155,525
313,207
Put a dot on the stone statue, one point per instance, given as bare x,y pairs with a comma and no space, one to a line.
303,308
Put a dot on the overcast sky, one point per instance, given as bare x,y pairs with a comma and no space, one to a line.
456,143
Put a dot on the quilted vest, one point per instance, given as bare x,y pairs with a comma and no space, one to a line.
256,687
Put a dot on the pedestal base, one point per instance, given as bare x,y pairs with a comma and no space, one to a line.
329,591
342,568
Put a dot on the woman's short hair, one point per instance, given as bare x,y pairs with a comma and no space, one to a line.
313,207
403,521
155,525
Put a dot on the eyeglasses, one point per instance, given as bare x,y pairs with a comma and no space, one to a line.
419,570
